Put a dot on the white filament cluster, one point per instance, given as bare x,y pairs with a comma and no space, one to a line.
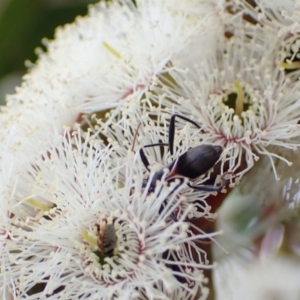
73,187
106,87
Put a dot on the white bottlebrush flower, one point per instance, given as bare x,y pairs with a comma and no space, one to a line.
101,61
280,20
97,233
142,133
117,50
28,131
121,50
9,227
241,98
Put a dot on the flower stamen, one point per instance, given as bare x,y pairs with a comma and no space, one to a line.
239,102
112,50
92,241
289,65
40,205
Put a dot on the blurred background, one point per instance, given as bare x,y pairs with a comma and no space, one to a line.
23,24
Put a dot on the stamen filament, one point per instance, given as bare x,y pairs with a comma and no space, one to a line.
239,104
112,50
89,239
40,205
290,65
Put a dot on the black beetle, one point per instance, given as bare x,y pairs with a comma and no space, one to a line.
193,163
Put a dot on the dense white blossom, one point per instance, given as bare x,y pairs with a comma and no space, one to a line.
71,194
78,219
132,135
101,61
243,100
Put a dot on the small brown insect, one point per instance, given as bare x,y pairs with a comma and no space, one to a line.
107,239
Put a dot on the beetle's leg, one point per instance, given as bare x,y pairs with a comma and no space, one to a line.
172,129
172,215
144,157
209,188
155,145
144,183
135,137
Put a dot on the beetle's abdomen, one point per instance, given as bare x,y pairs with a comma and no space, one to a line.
198,160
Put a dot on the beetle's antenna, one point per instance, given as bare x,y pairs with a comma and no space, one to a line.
135,137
